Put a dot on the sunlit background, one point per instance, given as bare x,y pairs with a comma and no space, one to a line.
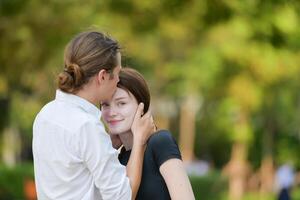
224,78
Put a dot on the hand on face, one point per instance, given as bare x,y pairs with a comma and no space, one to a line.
143,126
122,114
119,112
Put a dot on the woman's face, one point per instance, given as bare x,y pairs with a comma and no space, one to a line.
119,112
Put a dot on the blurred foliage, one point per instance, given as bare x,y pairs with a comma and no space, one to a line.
12,181
210,186
240,56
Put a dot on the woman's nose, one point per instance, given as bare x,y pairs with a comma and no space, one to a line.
112,111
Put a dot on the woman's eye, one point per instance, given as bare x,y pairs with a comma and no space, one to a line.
121,103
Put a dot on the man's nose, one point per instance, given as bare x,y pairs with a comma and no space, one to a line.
118,78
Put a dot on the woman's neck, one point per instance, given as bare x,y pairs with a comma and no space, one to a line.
127,140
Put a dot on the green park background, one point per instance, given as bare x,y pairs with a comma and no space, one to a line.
238,59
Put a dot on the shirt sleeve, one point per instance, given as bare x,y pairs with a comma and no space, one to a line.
102,161
164,147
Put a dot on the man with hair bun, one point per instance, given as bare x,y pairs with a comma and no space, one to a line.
73,155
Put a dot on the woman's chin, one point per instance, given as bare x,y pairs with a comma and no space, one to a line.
119,132
114,133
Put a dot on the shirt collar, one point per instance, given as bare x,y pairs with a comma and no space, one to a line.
79,101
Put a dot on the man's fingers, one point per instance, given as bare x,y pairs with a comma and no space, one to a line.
139,111
147,115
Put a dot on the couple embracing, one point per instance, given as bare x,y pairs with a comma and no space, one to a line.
75,158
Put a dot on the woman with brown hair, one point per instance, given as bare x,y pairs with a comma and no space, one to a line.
163,176
73,155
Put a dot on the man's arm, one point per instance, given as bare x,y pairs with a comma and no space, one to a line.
142,128
95,149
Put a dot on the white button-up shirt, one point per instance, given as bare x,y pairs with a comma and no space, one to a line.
73,155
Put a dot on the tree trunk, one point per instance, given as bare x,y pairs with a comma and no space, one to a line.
11,144
266,175
188,111
163,110
267,166
237,170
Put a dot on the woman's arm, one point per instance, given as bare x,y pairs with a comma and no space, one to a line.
176,179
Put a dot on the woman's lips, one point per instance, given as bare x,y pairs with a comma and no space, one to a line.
114,122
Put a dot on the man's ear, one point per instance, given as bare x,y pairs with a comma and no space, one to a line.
101,76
